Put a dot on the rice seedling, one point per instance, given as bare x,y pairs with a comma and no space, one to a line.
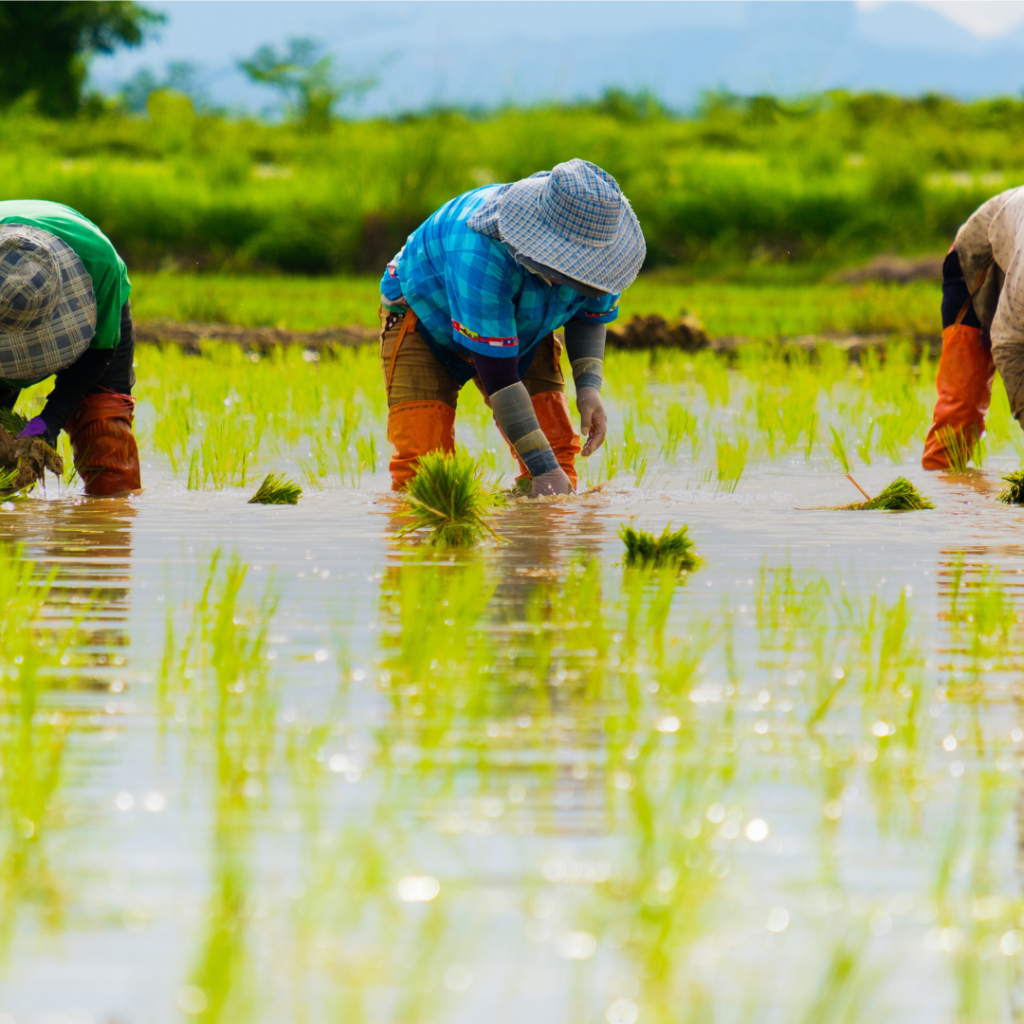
673,549
676,423
226,704
961,447
449,497
731,456
277,489
366,453
899,496
11,421
1013,490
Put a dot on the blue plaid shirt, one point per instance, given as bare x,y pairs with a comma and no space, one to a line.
470,294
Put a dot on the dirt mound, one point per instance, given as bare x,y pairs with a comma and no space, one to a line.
892,268
655,331
189,335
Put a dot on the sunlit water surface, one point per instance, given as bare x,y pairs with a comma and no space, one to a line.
382,784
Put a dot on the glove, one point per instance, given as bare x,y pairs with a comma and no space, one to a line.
554,481
35,427
593,419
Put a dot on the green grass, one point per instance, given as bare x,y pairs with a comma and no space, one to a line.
450,499
277,489
672,550
746,188
765,312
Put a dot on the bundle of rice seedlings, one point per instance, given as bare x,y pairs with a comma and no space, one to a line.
277,489
961,446
1013,492
900,496
13,422
449,497
7,480
673,549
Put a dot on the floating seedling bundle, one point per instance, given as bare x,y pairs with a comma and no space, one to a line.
277,489
1013,492
900,496
450,498
672,550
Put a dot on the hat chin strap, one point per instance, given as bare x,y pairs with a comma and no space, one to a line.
552,276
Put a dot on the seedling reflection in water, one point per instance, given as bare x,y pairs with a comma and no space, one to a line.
673,549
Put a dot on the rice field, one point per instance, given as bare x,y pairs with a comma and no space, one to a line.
295,763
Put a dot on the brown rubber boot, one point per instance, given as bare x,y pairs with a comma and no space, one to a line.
106,455
415,428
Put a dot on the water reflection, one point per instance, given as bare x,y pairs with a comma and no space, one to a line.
65,572
582,793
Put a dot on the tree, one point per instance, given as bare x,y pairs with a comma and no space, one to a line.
305,76
47,46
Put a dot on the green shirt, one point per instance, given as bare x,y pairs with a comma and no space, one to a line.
99,257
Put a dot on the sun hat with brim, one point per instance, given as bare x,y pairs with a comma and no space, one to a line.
574,219
47,304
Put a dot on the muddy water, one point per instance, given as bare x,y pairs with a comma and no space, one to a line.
523,784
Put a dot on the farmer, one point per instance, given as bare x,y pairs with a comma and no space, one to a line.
476,293
64,312
982,327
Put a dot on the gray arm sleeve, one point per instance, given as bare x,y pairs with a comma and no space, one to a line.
584,344
514,414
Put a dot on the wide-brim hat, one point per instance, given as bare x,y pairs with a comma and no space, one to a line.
573,219
47,304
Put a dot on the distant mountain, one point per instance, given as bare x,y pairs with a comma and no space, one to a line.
488,53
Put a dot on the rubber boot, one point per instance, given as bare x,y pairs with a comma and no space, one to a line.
964,383
106,455
552,411
415,428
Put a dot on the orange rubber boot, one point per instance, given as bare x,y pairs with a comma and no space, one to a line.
106,455
552,411
964,383
415,428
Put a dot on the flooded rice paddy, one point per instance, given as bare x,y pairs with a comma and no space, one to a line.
278,764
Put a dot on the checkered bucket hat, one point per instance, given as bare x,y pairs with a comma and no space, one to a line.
573,219
47,305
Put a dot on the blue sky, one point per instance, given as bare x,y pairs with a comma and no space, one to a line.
487,52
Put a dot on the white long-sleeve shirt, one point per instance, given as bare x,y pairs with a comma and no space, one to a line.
993,236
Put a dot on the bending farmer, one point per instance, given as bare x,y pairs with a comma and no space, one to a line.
64,311
477,291
982,328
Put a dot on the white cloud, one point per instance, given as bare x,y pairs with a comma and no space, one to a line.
988,19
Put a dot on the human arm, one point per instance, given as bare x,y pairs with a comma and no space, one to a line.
70,387
514,413
584,344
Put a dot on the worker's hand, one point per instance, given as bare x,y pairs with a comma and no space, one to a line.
593,419
554,481
28,458
35,427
